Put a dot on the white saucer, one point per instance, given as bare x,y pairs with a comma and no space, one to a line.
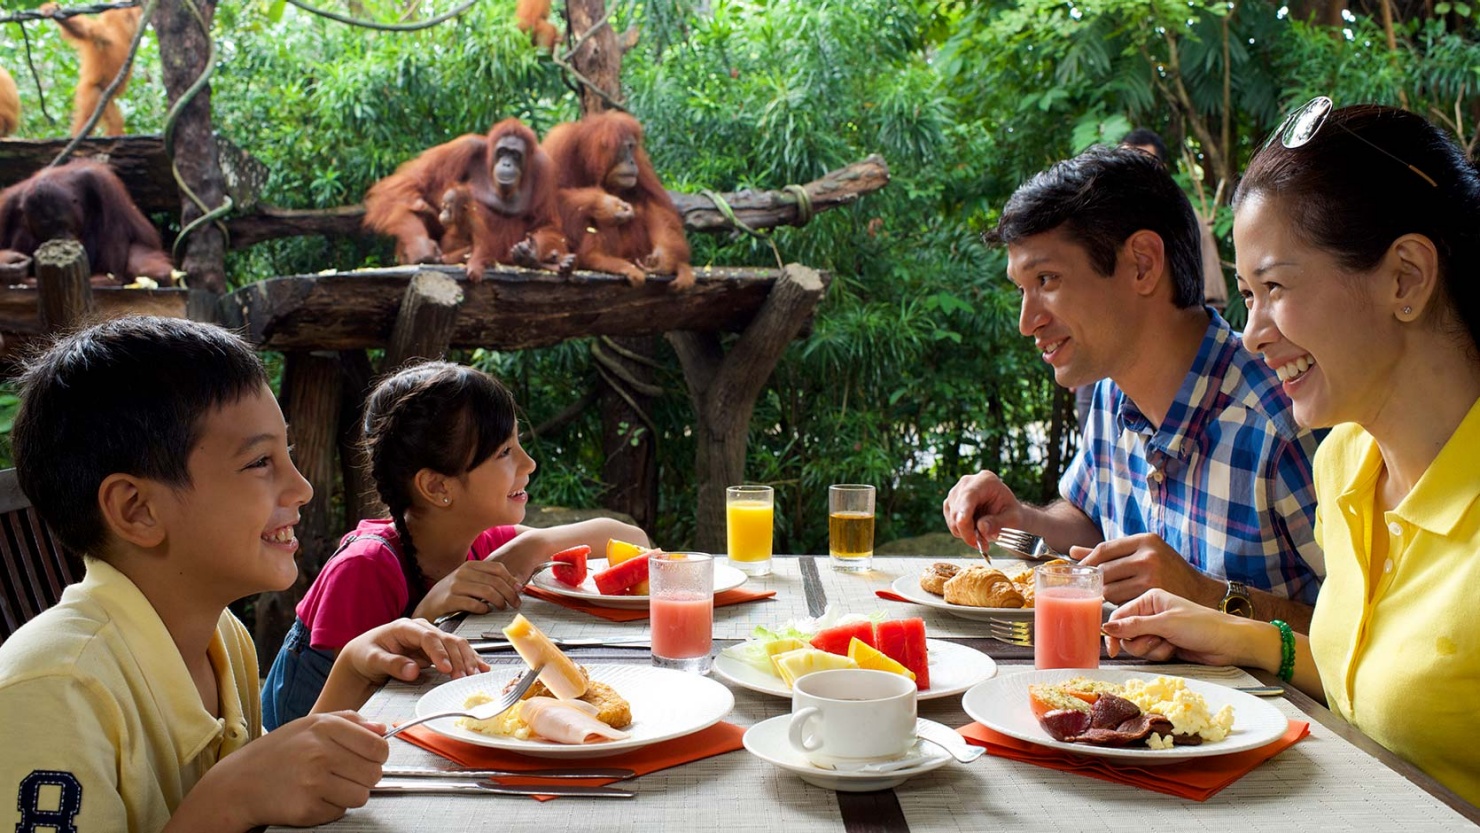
767,740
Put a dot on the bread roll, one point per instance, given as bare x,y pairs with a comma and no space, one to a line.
982,586
934,579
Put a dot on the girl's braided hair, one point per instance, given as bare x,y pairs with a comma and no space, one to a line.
439,416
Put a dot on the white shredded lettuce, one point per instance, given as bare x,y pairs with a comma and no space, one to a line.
752,651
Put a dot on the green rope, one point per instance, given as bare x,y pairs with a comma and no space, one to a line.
799,197
385,27
803,201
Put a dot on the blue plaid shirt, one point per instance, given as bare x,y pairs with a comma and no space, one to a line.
1225,480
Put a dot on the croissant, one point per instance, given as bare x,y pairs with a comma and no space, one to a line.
982,586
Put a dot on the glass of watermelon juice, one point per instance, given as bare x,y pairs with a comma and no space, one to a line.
1067,610
681,608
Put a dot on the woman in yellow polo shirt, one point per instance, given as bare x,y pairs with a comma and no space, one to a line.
1358,240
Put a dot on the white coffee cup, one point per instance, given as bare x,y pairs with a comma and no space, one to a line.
850,715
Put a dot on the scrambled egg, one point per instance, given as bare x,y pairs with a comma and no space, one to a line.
1186,709
508,724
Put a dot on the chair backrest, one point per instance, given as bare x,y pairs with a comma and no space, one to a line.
34,568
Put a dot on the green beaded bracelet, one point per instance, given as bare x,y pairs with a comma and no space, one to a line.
1287,649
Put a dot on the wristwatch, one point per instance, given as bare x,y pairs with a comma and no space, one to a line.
1236,601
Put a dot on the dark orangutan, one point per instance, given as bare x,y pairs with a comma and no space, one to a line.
10,104
83,201
102,44
593,225
508,175
605,151
533,17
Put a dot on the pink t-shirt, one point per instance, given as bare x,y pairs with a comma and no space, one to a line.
364,587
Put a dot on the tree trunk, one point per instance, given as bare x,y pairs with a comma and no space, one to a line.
724,389
185,52
599,59
425,321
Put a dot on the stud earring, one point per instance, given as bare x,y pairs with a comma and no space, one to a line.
1407,310
446,500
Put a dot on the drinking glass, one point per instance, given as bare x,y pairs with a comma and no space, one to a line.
681,609
850,526
750,513
1067,604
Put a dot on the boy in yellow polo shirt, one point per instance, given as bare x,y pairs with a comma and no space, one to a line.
155,447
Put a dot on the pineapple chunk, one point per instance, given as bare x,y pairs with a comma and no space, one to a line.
803,661
876,660
619,551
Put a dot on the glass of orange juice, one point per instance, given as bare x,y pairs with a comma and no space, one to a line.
1067,606
750,515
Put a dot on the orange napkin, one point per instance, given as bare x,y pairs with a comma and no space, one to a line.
622,614
718,739
1198,779
890,595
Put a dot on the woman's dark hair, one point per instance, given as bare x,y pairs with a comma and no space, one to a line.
439,416
1350,199
1100,198
127,396
1146,137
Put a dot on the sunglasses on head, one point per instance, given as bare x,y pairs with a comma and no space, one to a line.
1305,122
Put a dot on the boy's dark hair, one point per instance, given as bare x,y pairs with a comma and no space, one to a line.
126,396
1344,195
439,416
1146,137
1100,198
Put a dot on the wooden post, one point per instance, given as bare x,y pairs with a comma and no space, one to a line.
424,324
184,54
360,499
310,400
63,285
724,389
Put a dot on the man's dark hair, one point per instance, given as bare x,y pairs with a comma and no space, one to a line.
1100,198
1146,137
127,396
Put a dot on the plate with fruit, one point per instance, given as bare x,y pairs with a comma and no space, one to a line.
1063,710
619,580
771,663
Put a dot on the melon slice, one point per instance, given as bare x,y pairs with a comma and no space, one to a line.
874,660
835,640
571,570
799,663
623,579
903,640
562,676
619,551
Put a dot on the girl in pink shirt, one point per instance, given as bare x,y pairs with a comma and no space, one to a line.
444,453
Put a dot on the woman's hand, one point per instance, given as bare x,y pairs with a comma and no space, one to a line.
475,587
1158,625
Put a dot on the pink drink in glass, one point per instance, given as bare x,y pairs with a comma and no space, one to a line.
682,626
1067,606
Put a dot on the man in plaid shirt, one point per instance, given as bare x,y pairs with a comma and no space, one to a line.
1193,475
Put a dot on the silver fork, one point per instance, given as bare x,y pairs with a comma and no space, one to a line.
1025,544
482,711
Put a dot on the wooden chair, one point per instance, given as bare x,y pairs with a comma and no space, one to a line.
34,568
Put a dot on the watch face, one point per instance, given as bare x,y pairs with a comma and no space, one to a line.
1238,606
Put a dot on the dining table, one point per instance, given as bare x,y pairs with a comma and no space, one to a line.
1333,779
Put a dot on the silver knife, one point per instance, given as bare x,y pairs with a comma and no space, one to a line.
492,643
618,773
424,786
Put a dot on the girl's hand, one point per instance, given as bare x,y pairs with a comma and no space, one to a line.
1158,625
475,586
402,648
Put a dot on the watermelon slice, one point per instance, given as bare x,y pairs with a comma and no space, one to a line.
571,570
903,640
621,579
835,640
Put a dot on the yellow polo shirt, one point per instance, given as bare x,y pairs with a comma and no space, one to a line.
101,723
1401,662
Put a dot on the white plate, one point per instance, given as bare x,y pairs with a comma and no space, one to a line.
665,704
909,587
767,740
1002,704
953,669
725,578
